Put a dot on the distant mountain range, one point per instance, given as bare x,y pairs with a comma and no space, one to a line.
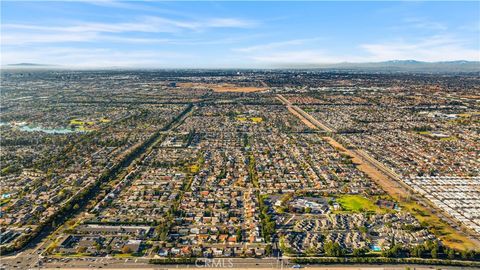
398,66
386,66
29,65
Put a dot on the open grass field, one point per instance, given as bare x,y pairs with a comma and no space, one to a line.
77,122
87,125
256,119
223,87
469,114
449,236
4,201
241,119
448,139
251,119
194,168
358,204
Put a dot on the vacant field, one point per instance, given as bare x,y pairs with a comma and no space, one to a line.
223,87
391,187
449,236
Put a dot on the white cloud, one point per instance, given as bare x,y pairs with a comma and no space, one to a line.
423,23
12,39
296,57
228,22
18,34
94,57
112,4
430,49
274,45
133,5
24,38
434,48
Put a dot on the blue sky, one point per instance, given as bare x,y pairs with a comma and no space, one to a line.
235,34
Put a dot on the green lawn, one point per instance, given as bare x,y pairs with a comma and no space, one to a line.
77,122
256,119
358,204
4,201
121,255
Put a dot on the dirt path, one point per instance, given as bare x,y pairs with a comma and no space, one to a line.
386,183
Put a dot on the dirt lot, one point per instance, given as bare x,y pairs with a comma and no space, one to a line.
223,87
390,186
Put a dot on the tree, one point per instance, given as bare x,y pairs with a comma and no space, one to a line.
268,250
393,252
239,234
465,254
450,254
435,249
418,251
70,222
359,252
126,250
333,249
311,251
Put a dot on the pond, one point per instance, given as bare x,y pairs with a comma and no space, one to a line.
27,128
49,130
